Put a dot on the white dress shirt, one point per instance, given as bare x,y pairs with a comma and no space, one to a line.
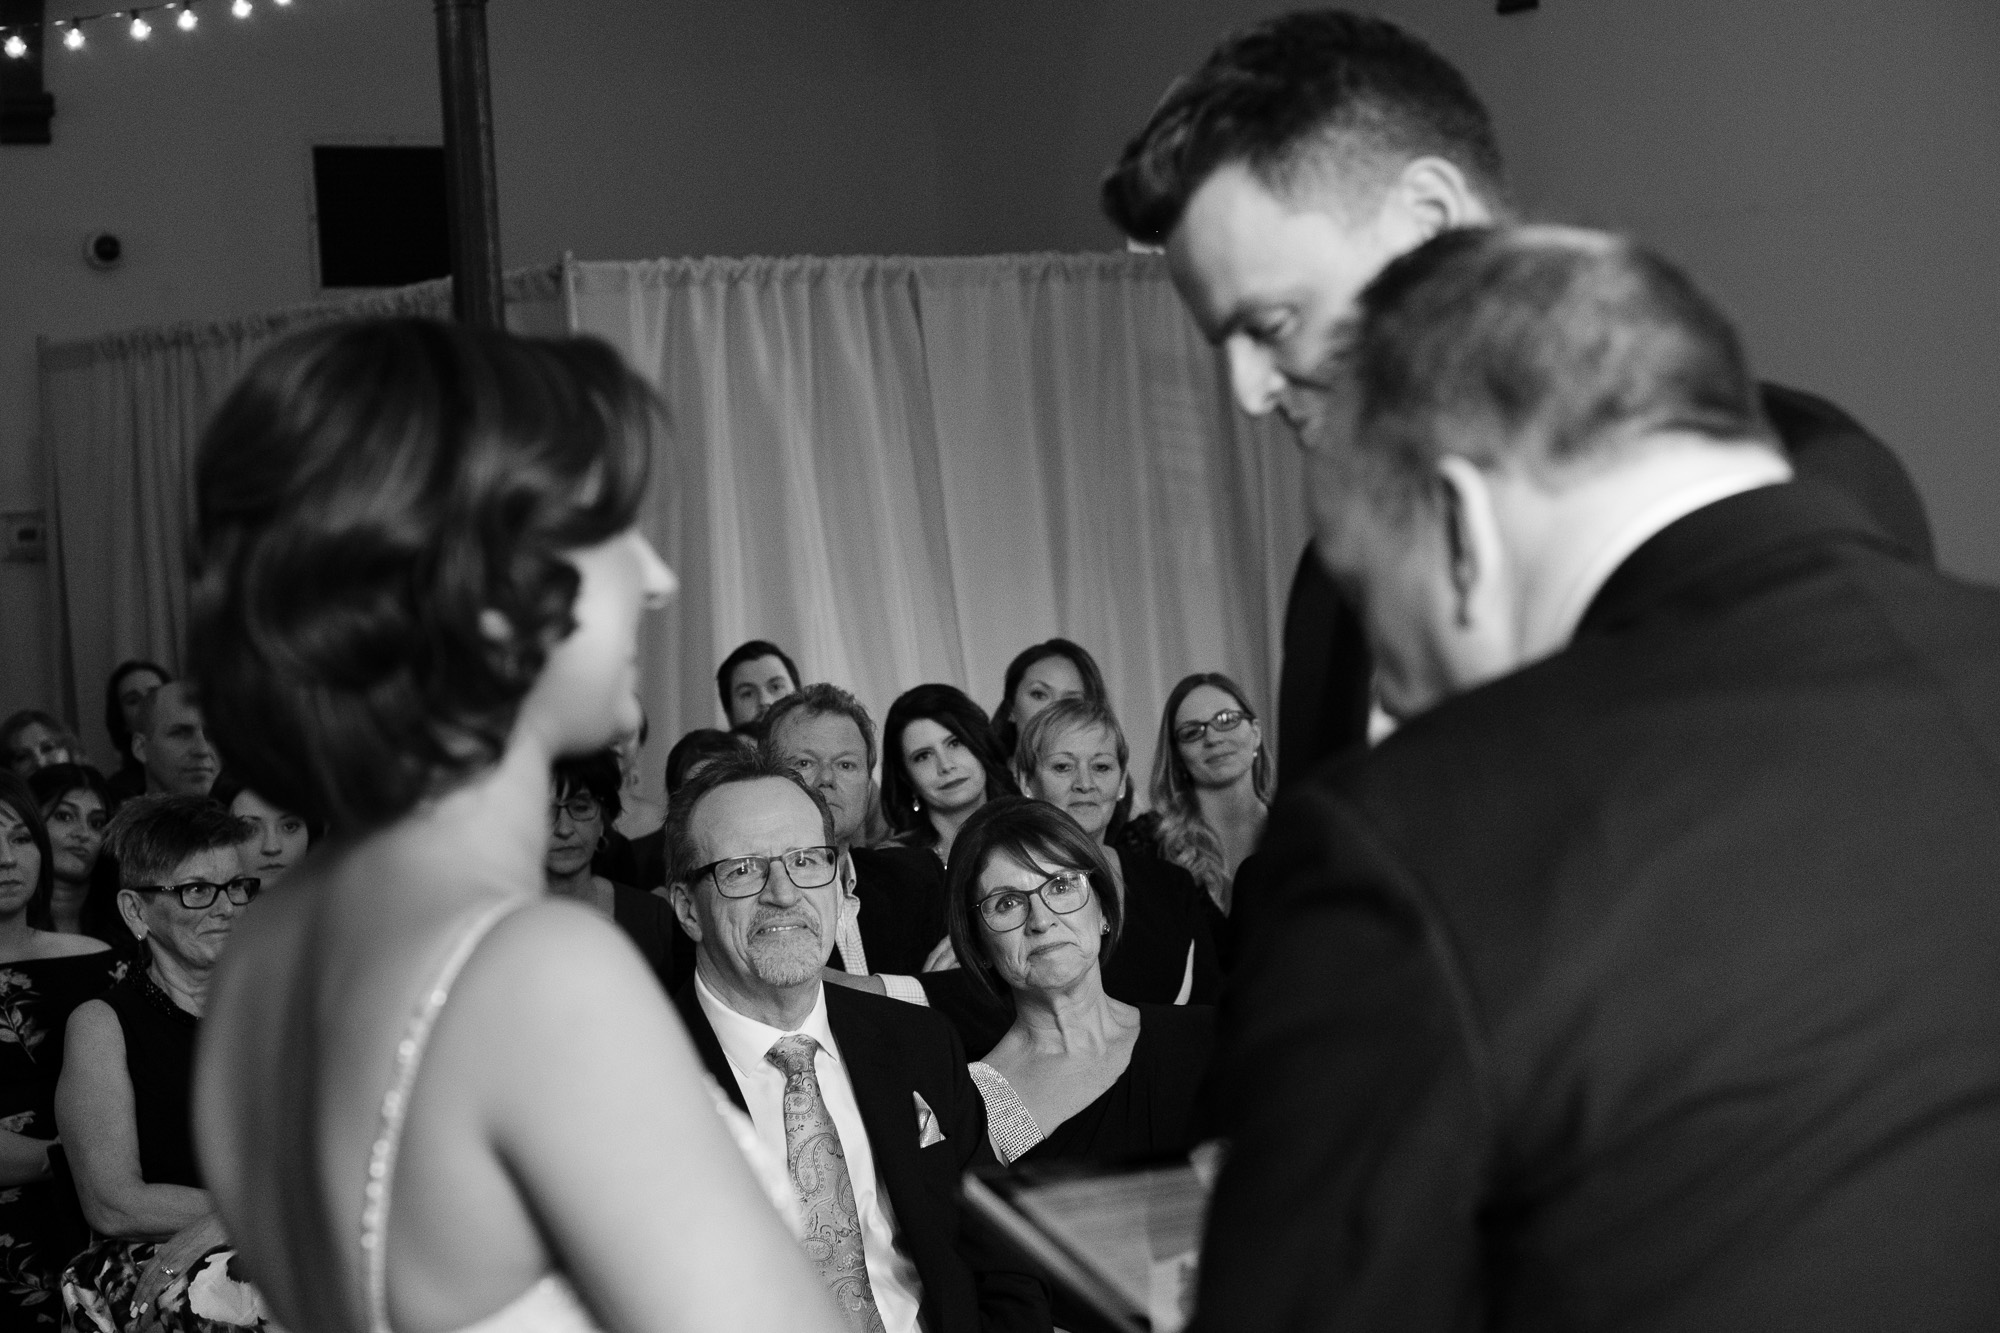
745,1042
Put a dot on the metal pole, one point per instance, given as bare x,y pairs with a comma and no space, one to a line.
472,201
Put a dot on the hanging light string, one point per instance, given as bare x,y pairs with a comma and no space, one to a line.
70,31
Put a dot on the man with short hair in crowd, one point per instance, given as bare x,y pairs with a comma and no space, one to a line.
752,678
171,744
1645,977
892,916
1306,152
867,1101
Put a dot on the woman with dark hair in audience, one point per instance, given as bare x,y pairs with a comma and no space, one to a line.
32,739
1211,785
122,1102
1073,755
941,762
131,683
430,1094
582,806
1034,912
44,975
276,839
76,806
1039,676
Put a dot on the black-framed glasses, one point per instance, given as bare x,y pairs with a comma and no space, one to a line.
197,894
745,876
581,807
1062,893
1229,719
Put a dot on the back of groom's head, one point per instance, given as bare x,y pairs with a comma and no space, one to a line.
1319,97
1536,348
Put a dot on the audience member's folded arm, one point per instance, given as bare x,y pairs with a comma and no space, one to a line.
97,1118
1346,1082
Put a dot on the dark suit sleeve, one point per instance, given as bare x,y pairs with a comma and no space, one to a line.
1345,1082
1010,1299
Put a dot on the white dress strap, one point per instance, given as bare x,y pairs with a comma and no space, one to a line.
1009,1127
395,1105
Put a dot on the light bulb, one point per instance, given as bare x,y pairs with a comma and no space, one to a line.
241,9
141,30
186,21
15,48
73,39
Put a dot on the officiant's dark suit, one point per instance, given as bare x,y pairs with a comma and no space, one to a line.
1653,985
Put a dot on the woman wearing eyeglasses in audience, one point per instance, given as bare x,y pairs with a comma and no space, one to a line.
277,839
1034,912
942,763
1211,785
44,975
430,1094
160,1257
582,807
76,804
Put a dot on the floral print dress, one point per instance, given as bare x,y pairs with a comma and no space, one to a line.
36,997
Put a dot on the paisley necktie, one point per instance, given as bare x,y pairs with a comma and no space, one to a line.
832,1223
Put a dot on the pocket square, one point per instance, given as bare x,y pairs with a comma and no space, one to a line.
928,1129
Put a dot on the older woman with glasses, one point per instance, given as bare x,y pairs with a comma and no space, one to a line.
123,1100
583,807
1034,912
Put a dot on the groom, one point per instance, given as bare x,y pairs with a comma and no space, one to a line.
866,1099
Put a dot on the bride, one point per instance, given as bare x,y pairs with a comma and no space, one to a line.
429,1098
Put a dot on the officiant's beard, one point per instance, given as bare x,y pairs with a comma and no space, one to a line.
788,958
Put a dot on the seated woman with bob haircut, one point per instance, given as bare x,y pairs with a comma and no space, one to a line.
1079,1075
416,584
122,1102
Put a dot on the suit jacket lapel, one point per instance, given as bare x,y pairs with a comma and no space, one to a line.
883,1092
703,1036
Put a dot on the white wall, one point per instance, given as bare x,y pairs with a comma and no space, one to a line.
1830,168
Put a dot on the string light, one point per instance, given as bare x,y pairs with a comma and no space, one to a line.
16,39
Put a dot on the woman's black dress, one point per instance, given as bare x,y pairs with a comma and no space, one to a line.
1149,1111
36,997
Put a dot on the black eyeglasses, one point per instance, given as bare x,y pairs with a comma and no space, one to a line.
580,809
744,876
1061,893
199,893
1229,719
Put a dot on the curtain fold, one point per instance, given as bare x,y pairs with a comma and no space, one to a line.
906,470
121,416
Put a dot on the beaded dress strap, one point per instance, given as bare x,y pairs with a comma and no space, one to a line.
1009,1126
395,1104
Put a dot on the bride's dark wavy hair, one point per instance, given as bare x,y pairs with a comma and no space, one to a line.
366,493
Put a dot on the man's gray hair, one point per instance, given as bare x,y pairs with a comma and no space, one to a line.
1540,348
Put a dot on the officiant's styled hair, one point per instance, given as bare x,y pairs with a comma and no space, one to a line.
1542,348
382,514
1304,97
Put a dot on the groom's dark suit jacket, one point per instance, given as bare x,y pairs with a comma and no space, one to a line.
892,1051
1655,986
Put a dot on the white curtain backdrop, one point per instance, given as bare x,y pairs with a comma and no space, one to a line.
121,416
906,470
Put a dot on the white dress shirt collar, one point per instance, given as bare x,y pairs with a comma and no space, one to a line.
746,1041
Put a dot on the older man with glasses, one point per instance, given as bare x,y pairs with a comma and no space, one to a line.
866,1100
